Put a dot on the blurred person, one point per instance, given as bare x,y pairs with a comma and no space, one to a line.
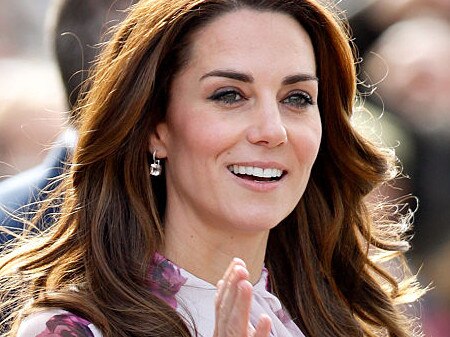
21,29
413,57
216,129
77,29
404,49
30,113
370,18
415,89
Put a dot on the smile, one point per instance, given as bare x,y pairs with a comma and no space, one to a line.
256,173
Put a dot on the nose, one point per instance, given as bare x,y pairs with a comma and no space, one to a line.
267,127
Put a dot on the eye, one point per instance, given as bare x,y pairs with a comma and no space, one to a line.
298,99
227,96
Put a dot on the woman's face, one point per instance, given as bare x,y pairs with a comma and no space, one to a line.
243,127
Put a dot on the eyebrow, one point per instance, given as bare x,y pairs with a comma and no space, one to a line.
247,78
299,78
234,75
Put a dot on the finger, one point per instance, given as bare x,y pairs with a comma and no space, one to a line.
219,292
228,290
239,320
234,262
228,301
263,327
218,304
221,287
218,300
226,276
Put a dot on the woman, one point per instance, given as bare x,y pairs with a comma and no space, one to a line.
242,109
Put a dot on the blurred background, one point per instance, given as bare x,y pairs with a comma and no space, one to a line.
31,94
404,70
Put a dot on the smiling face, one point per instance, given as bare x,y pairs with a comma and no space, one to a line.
243,128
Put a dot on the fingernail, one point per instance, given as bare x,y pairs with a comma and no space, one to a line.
238,270
242,285
219,284
239,261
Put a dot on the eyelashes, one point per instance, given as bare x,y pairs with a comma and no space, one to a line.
227,96
297,99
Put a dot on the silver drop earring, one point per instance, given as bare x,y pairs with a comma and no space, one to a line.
155,167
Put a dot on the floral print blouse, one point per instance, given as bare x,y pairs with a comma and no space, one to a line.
190,296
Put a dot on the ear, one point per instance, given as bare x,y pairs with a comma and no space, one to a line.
158,140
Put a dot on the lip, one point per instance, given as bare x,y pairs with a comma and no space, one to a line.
259,186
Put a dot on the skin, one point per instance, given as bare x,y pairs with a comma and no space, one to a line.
233,301
246,97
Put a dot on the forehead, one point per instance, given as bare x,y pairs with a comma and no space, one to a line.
248,37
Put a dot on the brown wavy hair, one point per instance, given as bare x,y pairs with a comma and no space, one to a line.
321,257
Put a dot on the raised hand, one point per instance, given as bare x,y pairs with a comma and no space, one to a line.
233,304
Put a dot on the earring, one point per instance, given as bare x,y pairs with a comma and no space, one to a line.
155,167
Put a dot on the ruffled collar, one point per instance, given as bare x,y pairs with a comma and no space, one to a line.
166,280
181,289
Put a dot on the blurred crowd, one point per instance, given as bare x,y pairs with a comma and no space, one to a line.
404,69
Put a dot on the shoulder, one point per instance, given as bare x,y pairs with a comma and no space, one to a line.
34,179
19,187
20,194
28,183
18,197
56,323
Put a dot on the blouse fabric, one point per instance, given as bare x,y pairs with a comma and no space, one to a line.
192,297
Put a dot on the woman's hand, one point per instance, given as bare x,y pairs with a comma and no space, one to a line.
233,302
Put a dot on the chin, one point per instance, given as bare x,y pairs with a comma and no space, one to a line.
261,222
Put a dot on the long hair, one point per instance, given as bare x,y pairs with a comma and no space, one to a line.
94,260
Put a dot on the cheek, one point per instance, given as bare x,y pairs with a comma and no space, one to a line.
201,132
307,143
188,148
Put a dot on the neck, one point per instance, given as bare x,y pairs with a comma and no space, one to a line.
206,251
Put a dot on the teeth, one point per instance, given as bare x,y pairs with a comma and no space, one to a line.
268,173
256,171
